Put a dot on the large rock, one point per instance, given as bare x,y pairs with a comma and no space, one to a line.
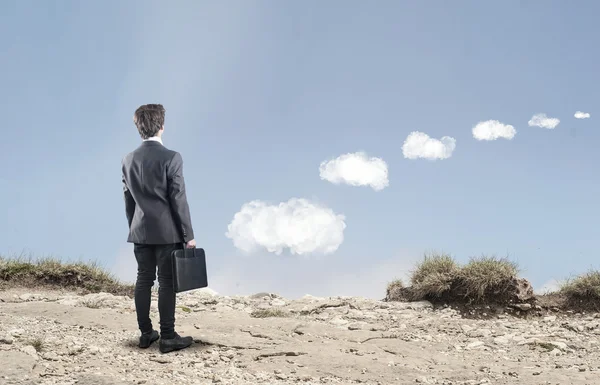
523,291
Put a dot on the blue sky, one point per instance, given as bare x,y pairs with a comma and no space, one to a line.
259,93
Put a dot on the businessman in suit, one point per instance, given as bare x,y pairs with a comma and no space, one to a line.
159,223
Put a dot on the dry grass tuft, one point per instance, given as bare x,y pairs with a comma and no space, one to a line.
266,313
37,343
396,290
433,264
88,277
434,285
583,287
487,277
395,284
439,278
433,276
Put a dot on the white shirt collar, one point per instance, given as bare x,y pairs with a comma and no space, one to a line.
155,139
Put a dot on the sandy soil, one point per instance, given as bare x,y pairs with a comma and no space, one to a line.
92,339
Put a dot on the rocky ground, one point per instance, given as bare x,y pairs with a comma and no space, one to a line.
62,338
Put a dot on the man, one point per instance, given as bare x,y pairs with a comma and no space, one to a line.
159,223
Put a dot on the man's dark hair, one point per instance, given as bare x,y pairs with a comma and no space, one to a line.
149,119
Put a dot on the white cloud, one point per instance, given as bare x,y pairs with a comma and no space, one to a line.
541,120
298,224
420,145
356,170
492,130
581,115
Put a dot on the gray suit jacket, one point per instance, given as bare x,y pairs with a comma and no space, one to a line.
155,199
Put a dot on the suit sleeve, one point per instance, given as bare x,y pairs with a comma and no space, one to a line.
178,198
129,201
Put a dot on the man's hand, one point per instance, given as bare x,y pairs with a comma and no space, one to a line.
191,244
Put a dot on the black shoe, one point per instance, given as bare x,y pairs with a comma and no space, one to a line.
148,338
176,343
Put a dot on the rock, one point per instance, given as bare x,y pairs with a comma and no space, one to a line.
16,332
475,345
478,333
523,306
278,302
205,292
338,321
555,352
358,326
312,298
50,356
6,340
25,297
30,350
502,340
263,295
16,366
559,345
161,360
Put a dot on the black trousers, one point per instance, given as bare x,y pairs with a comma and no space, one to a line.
149,258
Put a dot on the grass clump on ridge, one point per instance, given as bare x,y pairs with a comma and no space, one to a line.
483,279
395,289
433,276
395,284
487,276
584,288
433,264
53,273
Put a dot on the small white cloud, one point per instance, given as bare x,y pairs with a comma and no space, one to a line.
299,225
541,120
420,145
582,115
356,170
492,130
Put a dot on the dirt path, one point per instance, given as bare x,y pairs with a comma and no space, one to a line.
92,339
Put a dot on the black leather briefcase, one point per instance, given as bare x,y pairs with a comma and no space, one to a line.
189,269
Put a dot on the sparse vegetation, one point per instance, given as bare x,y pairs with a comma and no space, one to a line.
396,284
487,277
91,304
440,278
433,276
583,291
585,286
37,343
87,277
270,312
185,309
395,289
544,345
433,265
